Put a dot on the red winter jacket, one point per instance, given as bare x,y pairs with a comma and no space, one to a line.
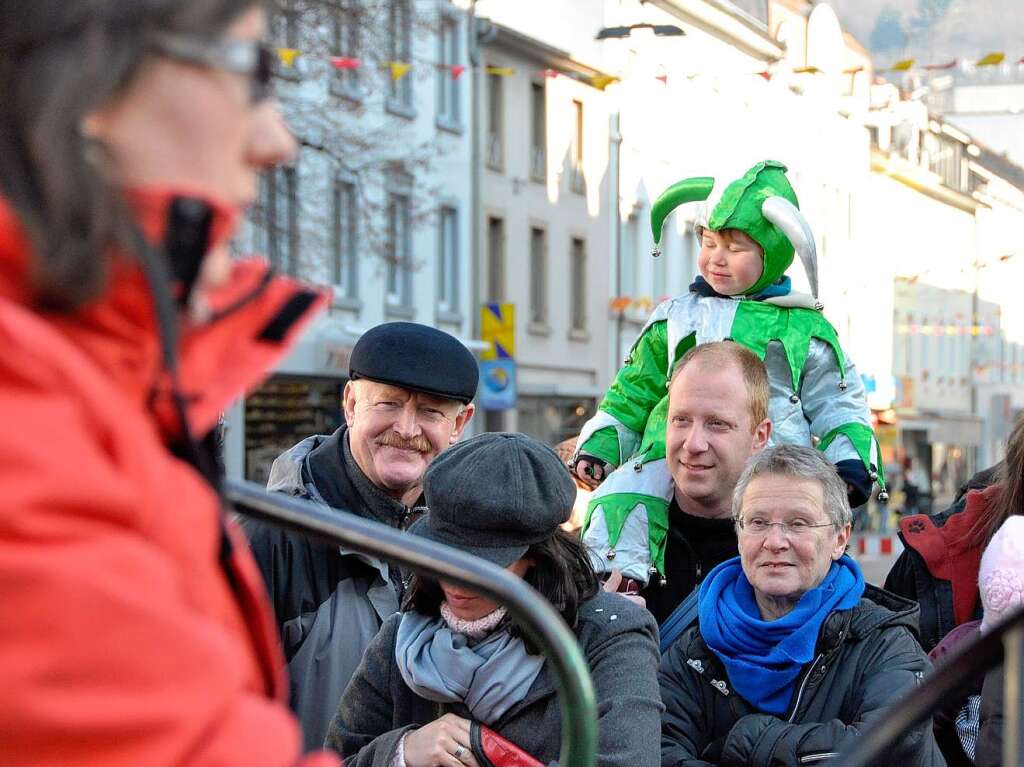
122,640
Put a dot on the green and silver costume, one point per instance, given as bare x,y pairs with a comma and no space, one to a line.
815,391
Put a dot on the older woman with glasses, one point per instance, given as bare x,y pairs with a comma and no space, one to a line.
793,655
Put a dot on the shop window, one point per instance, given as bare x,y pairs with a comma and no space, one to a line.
283,412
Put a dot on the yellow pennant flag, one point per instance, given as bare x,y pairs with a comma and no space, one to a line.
398,69
902,66
992,59
806,71
287,55
603,81
500,71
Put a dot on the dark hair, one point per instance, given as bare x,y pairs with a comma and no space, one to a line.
562,573
60,61
1009,499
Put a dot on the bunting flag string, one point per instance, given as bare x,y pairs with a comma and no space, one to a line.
398,69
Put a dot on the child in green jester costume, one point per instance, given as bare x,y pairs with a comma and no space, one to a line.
747,243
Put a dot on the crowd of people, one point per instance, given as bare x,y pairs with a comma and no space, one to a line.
139,624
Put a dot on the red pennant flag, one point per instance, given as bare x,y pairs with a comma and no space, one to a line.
343,62
457,69
663,79
936,67
765,74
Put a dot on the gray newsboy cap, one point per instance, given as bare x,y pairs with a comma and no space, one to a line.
495,495
416,357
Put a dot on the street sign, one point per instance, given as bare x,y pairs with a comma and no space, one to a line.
497,384
498,328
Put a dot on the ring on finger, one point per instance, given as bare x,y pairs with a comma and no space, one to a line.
458,752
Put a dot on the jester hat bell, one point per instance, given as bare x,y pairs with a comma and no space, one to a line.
762,205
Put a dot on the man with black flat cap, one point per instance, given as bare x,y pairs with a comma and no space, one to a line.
409,397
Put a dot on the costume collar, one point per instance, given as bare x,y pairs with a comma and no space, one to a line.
781,287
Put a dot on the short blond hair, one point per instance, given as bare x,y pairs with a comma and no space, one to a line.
755,376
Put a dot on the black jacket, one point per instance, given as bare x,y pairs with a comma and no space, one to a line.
867,658
910,577
619,642
693,547
989,752
329,603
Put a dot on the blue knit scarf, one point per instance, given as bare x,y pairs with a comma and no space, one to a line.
764,658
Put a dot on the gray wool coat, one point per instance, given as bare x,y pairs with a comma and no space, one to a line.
619,641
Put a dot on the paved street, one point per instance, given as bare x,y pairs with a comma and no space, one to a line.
875,565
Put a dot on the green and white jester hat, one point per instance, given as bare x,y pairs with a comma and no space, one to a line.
762,205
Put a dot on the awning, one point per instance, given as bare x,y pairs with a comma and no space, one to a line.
964,431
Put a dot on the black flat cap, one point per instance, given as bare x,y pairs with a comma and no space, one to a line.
416,357
494,495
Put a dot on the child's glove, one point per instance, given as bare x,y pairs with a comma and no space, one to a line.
590,470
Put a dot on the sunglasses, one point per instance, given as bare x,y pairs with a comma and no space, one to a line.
251,58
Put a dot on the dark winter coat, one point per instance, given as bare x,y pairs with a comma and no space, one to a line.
866,659
619,641
329,602
930,546
989,752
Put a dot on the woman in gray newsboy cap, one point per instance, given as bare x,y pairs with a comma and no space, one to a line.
451,681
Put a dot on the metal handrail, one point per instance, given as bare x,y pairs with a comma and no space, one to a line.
537,617
952,678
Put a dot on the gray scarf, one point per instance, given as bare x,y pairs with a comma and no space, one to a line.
439,665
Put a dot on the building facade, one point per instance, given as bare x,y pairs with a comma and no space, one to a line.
376,204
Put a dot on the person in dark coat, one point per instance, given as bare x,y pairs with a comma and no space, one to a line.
793,655
451,680
938,568
402,408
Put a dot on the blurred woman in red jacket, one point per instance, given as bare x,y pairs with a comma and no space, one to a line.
133,626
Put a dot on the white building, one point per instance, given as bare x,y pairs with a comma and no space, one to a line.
945,220
544,225
376,204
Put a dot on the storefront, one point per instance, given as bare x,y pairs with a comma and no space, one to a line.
945,448
552,419
284,411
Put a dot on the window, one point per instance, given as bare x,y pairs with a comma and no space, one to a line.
659,274
284,31
400,51
630,256
448,261
346,44
576,149
578,284
291,190
344,237
538,277
399,275
276,219
538,132
448,105
495,122
495,259
689,261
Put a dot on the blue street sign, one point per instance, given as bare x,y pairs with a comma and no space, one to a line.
497,384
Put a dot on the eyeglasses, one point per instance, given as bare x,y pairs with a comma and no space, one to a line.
251,58
757,527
